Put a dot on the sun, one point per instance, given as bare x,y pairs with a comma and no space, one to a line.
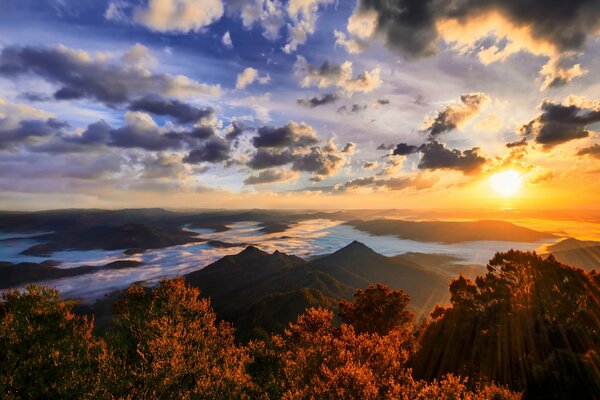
506,183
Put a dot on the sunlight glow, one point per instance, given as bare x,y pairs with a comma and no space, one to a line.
506,183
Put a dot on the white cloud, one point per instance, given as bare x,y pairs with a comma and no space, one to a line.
249,76
179,15
227,40
340,76
304,16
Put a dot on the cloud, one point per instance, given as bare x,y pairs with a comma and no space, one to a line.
29,129
340,76
593,150
518,143
435,155
214,150
249,76
101,77
235,130
292,134
20,124
456,115
491,29
562,122
226,40
182,112
327,98
414,28
304,16
142,132
417,182
558,72
263,159
371,165
361,27
321,161
268,13
404,149
270,176
164,165
178,15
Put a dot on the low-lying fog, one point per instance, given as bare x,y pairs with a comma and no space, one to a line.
304,239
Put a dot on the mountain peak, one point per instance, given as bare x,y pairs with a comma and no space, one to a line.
355,248
252,251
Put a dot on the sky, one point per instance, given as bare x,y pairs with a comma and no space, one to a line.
299,104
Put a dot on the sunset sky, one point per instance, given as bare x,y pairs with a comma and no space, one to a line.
299,104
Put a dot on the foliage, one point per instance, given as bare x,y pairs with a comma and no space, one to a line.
167,345
313,359
45,350
530,323
378,309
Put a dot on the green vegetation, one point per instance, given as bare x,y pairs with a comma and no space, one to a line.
529,327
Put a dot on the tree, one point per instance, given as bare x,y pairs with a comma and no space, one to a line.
45,350
313,359
530,323
168,345
378,309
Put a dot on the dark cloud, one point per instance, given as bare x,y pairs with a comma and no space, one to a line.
383,102
319,162
349,148
28,129
385,146
435,155
81,75
593,150
214,150
183,113
266,159
452,116
236,130
147,137
410,26
517,143
96,133
34,97
560,123
201,132
327,98
396,183
404,149
268,176
290,135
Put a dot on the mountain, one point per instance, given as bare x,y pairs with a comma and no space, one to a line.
128,236
358,266
12,275
450,231
580,253
259,292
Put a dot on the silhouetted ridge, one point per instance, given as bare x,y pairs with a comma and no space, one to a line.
355,248
252,251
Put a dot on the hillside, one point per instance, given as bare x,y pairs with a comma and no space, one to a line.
584,254
12,275
258,291
450,231
132,236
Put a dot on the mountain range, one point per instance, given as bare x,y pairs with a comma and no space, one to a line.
261,292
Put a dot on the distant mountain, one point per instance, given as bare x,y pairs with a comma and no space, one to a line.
127,236
580,253
450,231
258,291
12,275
